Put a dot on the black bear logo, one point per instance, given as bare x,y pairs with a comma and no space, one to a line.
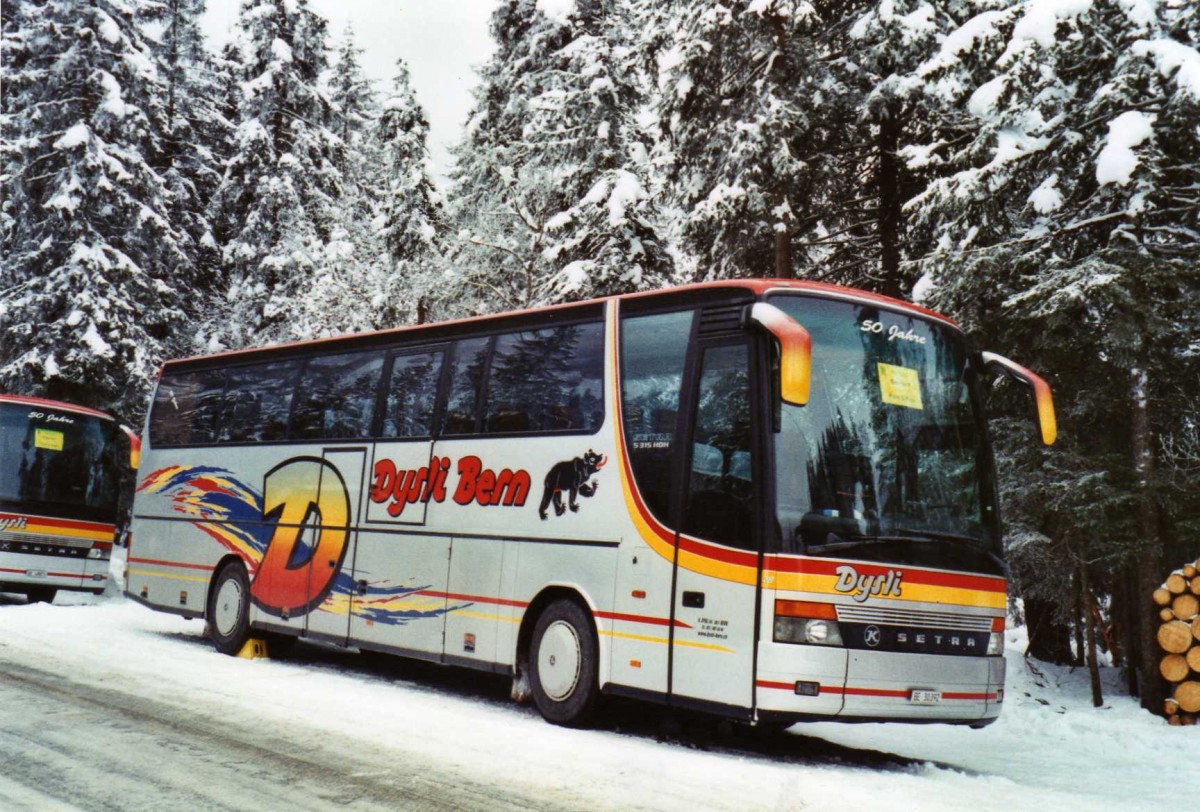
571,476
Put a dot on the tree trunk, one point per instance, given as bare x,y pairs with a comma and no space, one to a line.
891,201
1081,644
1129,608
1089,624
783,253
1049,638
1149,560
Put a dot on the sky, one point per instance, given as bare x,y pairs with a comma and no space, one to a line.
443,41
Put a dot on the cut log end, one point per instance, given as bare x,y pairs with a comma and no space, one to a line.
1175,637
1162,596
1185,606
1174,668
1187,694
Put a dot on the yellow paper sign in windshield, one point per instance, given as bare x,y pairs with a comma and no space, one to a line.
900,386
48,439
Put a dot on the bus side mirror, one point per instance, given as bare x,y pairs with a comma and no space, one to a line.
135,447
1043,399
795,345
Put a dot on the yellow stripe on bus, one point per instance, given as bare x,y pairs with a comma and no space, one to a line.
168,575
484,616
922,593
642,638
66,532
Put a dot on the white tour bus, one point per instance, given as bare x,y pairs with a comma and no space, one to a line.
770,500
61,468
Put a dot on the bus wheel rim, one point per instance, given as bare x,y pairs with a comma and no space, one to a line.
559,658
229,607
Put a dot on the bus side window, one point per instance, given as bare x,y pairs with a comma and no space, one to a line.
187,408
547,380
653,355
336,396
720,486
258,399
412,395
466,380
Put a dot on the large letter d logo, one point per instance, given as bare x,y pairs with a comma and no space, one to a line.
307,499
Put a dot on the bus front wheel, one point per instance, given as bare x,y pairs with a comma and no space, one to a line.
229,609
41,594
563,672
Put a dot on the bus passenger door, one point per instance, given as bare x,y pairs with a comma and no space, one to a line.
400,570
330,573
716,564
310,508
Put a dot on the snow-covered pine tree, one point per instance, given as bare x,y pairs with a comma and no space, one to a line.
739,83
277,202
340,289
197,138
88,297
551,180
1067,225
407,284
857,231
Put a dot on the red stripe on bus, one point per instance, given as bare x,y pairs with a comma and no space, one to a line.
66,524
880,692
725,555
809,566
652,621
454,596
156,562
48,574
779,686
56,404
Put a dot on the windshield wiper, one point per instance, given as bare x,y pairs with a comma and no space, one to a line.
835,543
974,543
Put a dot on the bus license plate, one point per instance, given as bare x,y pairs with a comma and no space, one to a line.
35,573
922,697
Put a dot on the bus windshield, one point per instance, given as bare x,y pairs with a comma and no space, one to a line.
58,463
888,460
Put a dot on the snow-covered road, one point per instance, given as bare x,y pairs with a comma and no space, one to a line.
107,705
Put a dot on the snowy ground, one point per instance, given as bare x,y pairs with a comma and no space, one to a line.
430,730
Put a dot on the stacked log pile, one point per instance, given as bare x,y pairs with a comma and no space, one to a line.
1179,637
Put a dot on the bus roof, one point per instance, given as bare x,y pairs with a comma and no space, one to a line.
55,404
756,286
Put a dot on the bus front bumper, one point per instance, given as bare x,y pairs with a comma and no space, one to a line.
852,685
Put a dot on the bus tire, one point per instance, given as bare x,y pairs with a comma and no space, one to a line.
229,609
563,665
41,594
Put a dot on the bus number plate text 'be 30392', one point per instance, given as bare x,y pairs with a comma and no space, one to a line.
922,697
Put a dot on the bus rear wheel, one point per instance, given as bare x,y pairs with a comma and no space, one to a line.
41,594
229,609
563,670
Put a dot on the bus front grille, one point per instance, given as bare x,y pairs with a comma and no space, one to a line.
888,616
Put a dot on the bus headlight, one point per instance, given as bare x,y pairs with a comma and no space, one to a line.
995,644
813,624
996,638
